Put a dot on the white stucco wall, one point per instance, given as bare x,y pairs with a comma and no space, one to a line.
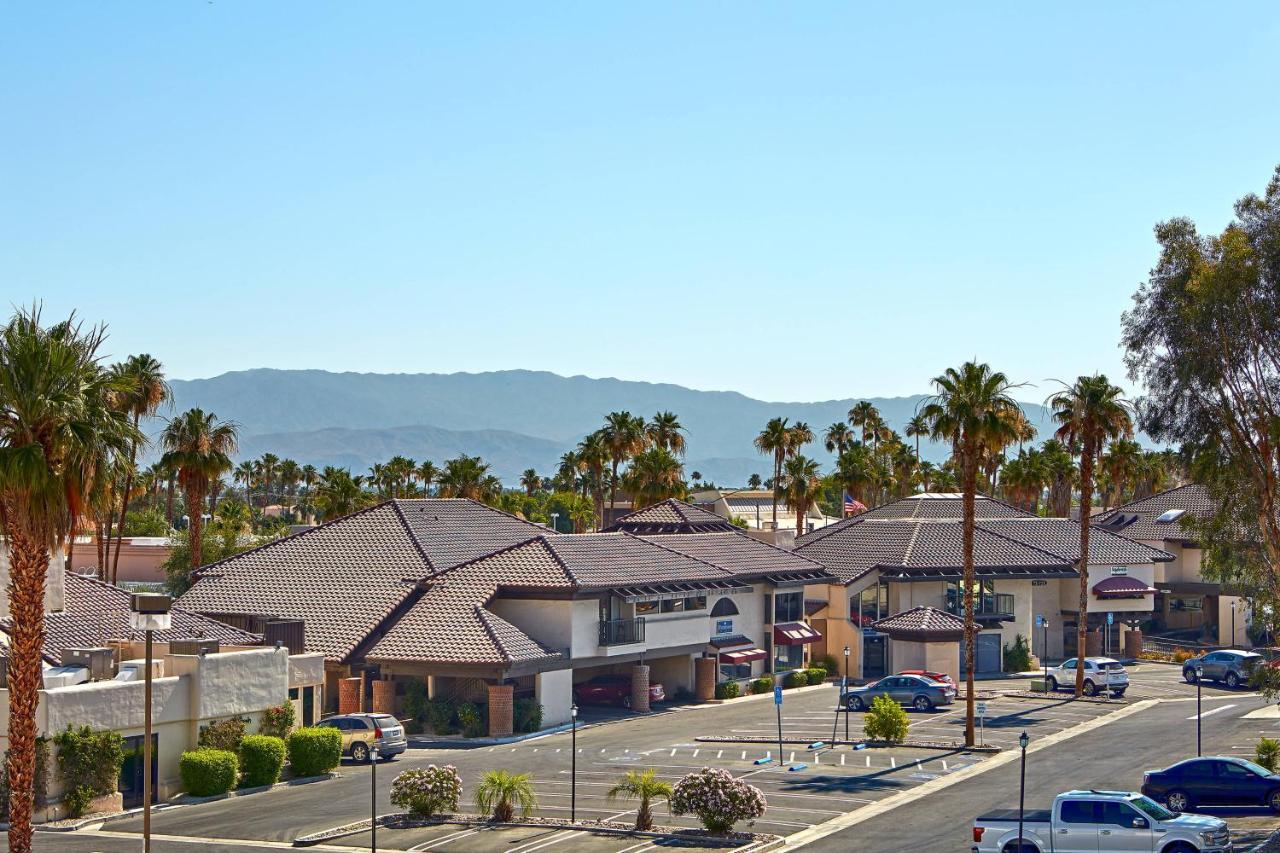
549,621
554,691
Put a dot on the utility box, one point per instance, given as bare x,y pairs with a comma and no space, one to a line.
193,647
99,661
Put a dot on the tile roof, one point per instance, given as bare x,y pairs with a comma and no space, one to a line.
451,531
1062,537
746,558
944,505
1137,519
671,516
922,624
95,612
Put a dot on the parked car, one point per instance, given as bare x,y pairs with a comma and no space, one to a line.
941,677
360,732
913,691
1099,821
1213,781
612,689
1231,667
1100,674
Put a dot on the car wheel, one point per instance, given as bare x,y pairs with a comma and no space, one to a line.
855,703
1116,694
626,702
1178,801
1090,689
1233,680
1178,847
1273,801
1020,847
922,703
1052,683
1189,675
359,752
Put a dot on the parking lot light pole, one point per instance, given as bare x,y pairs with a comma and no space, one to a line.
573,758
373,777
1233,624
1199,678
1044,649
846,687
150,614
1023,740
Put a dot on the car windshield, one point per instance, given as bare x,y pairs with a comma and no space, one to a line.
1151,808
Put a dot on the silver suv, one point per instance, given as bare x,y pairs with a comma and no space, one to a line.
1229,666
1100,675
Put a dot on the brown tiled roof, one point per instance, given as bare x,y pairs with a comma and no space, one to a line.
95,612
1137,519
944,505
451,531
1061,536
922,624
671,516
746,558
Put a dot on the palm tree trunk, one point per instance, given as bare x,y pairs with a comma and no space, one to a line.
29,565
644,817
1086,506
777,475
195,507
99,536
124,504
168,503
970,627
613,489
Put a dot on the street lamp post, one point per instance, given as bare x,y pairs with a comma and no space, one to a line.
846,687
573,773
150,614
1044,650
1199,678
373,782
1023,740
1233,624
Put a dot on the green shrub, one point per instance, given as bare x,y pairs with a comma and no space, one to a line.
223,734
528,715
427,791
1017,658
416,701
763,684
727,690
314,750
830,664
208,772
795,678
815,675
885,721
277,720
261,758
88,764
471,720
440,715
41,780
1183,655
1267,753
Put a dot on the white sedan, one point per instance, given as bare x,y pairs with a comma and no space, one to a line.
1100,674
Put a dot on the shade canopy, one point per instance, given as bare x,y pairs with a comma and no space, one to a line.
744,656
1122,587
794,634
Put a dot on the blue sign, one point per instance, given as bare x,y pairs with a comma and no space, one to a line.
777,694
1039,621
724,626
1111,619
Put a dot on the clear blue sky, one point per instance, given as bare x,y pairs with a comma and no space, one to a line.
798,201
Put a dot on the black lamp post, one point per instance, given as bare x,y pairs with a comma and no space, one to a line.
846,687
150,614
1233,624
1023,740
573,758
1199,678
373,781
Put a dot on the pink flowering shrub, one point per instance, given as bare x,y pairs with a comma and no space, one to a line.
718,799
428,791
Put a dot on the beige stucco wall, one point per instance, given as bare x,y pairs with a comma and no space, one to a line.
556,623
1241,637
936,657
554,691
139,561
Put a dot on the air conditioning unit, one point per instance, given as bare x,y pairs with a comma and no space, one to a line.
136,670
100,662
65,676
193,647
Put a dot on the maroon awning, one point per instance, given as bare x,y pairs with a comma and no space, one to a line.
1122,586
746,656
794,634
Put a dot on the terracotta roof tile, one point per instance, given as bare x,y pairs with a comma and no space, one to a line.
1137,519
922,624
738,553
672,516
1062,537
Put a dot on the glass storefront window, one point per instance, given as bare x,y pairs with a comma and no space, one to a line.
732,671
788,607
787,657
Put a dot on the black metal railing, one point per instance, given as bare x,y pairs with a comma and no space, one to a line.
986,604
618,632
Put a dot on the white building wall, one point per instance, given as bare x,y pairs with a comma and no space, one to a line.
554,691
552,622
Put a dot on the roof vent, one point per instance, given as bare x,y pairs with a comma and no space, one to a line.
1170,516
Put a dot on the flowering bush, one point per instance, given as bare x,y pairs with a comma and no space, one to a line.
718,799
428,791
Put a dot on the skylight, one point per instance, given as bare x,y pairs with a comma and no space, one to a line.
1170,516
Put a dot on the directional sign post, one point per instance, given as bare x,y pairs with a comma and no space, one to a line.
777,702
980,708
1106,634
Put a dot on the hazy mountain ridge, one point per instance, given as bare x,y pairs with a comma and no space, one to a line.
514,418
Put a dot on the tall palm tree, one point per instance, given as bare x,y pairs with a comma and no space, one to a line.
856,471
916,427
338,494
645,786
837,438
802,487
466,477
666,431
775,439
198,446
593,455
530,481
625,437
798,437
653,476
268,464
866,416
145,390
1089,412
754,481
290,475
1060,473
1122,462
57,424
971,410
428,473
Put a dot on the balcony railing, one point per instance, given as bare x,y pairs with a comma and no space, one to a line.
989,605
619,632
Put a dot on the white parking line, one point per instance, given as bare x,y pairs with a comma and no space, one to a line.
431,845
553,839
1211,711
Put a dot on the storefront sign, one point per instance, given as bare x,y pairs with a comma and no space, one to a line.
724,626
1119,570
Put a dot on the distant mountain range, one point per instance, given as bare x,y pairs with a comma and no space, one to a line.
515,419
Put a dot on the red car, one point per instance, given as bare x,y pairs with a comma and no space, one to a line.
612,689
930,674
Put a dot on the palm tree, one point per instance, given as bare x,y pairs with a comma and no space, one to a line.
802,487
1122,462
1090,412
428,473
865,416
290,475
776,439
624,435
799,436
665,431
338,494
653,476
244,473
1060,472
309,477
466,477
837,438
972,410
856,471
645,786
593,456
530,481
916,427
145,390
753,482
268,464
499,792
57,426
198,446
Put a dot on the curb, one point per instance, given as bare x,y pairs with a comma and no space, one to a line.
186,800
869,744
1064,696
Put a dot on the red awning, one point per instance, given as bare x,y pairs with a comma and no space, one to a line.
794,634
745,656
1121,587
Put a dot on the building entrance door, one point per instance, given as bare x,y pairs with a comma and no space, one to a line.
131,770
874,657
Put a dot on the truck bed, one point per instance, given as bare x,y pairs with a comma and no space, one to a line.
1011,816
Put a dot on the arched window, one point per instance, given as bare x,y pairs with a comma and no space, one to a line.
724,607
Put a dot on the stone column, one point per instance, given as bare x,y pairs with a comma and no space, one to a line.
349,695
501,710
640,688
705,679
1133,643
384,696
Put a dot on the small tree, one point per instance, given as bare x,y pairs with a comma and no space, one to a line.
645,786
1017,658
886,721
277,720
1267,753
88,764
428,791
225,735
718,799
499,792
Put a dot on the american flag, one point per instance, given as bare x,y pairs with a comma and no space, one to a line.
852,507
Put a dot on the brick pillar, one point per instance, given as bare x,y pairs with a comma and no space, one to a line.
1093,643
501,710
1133,643
640,688
384,697
705,678
349,695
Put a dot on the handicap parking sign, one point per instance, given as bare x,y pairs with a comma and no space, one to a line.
777,694
1111,619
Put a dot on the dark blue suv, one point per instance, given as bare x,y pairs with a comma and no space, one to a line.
1213,781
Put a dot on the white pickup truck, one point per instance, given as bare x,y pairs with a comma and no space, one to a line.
1098,821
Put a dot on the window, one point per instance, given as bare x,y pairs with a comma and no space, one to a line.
984,597
1151,808
1071,664
1170,516
1078,811
787,657
672,605
643,608
697,602
1117,814
1229,771
788,606
869,605
724,607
